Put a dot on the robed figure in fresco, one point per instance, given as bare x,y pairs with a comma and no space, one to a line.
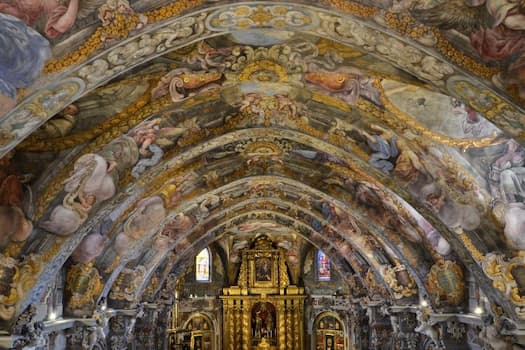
497,32
25,50
25,27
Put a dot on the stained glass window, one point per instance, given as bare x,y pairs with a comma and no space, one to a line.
202,266
323,267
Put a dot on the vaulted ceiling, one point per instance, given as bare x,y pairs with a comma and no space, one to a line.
386,135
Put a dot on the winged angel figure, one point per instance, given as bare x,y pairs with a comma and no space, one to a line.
25,27
496,29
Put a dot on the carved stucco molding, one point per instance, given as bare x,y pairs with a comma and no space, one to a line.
175,33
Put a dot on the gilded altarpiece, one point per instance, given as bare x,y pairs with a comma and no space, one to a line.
263,311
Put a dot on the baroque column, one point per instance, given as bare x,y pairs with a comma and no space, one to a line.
282,327
245,325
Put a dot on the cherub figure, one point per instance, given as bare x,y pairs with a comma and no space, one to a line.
146,134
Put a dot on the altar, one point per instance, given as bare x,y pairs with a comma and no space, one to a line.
263,311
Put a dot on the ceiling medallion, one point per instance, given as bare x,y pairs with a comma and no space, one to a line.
264,71
255,16
264,148
446,283
266,110
275,64
262,16
399,281
264,153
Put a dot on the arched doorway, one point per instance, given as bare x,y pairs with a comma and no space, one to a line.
197,334
328,332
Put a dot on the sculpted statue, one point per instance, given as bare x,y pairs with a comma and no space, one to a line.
507,182
263,344
120,154
180,225
90,247
426,327
60,125
131,324
507,174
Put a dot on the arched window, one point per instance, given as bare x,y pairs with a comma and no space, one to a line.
202,266
323,267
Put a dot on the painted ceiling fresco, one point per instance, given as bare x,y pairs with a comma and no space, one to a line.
134,134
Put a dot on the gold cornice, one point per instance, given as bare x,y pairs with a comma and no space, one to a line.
464,61
470,246
353,8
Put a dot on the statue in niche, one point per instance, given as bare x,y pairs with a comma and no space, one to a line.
329,342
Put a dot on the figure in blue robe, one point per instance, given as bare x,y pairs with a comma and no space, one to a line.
384,153
23,54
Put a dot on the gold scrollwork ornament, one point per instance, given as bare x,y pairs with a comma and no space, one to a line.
399,281
506,277
445,282
84,283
